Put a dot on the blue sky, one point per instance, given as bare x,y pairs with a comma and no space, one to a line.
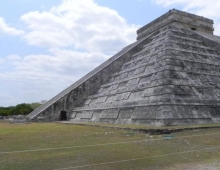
48,45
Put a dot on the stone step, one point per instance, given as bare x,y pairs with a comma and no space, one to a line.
175,37
190,56
146,52
172,50
176,65
179,59
152,101
184,33
147,62
143,84
151,91
153,83
136,64
189,46
166,60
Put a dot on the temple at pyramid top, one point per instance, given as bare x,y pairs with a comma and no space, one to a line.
169,76
180,19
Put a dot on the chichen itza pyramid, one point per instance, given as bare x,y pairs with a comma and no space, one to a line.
169,76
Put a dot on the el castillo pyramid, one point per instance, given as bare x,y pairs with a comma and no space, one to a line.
169,76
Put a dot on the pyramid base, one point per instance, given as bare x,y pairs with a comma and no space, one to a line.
166,115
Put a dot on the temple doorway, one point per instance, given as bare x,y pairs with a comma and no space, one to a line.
63,116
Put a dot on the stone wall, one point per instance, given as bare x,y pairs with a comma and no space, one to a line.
181,19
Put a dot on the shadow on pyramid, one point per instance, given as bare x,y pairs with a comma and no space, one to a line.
169,76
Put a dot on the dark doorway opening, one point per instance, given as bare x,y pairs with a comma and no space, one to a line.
63,116
193,28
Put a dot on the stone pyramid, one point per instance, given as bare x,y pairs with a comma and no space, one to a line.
169,76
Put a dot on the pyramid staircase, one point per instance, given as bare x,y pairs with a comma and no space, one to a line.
169,76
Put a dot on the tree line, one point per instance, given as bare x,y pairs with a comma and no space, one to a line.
20,109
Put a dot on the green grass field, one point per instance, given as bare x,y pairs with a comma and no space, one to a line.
48,146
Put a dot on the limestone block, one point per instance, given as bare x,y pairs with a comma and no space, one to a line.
106,88
84,114
109,114
122,96
126,113
100,90
123,75
73,115
151,112
114,86
122,84
87,102
140,70
133,82
135,96
93,101
149,68
110,99
145,79
96,115
131,73
101,99
217,92
146,59
215,112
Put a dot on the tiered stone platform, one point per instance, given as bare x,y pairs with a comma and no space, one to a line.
169,76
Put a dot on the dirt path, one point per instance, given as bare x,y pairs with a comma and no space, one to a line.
211,166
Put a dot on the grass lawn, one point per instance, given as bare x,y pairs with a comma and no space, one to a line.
155,152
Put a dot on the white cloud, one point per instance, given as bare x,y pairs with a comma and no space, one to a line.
79,36
6,29
1,61
82,24
209,9
14,57
60,64
37,77
6,98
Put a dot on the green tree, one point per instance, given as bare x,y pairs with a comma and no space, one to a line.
5,111
22,109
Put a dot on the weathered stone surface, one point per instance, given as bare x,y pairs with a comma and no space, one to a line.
181,19
170,76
